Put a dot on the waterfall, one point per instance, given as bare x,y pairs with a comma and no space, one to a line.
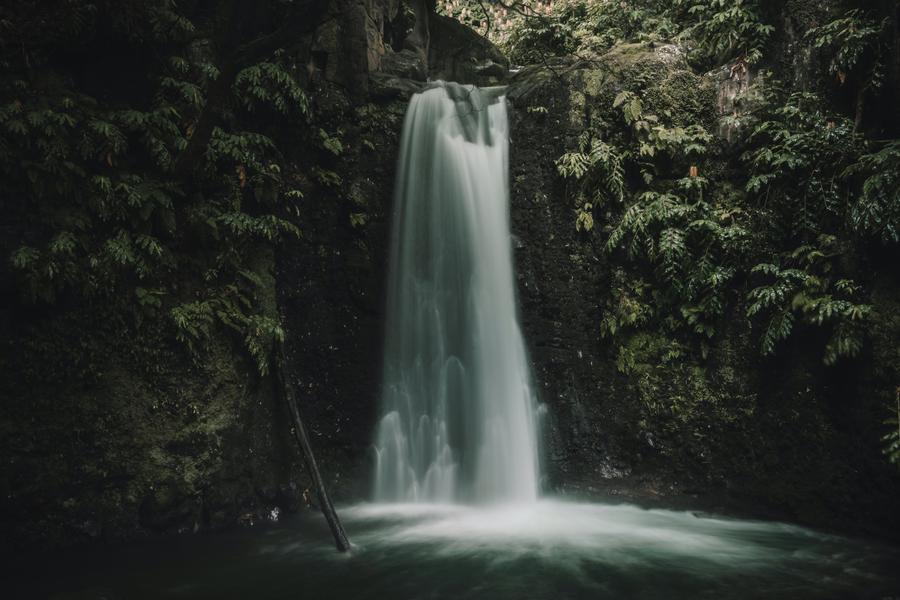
458,420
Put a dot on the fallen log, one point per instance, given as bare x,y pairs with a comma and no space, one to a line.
287,391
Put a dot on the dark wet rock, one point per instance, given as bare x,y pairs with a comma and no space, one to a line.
168,507
491,70
733,429
384,87
457,53
405,65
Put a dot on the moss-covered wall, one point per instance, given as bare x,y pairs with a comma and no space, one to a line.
639,415
331,291
110,431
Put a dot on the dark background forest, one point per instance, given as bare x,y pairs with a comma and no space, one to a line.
705,210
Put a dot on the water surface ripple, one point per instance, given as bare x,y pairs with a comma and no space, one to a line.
548,549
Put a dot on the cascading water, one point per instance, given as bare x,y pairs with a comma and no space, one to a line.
458,420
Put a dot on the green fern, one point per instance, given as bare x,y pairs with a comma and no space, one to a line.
270,84
115,223
807,292
598,168
687,244
726,29
876,210
797,162
851,39
892,438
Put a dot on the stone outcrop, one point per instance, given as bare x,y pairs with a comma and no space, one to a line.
384,45
459,54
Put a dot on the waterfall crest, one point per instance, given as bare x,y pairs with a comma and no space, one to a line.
458,418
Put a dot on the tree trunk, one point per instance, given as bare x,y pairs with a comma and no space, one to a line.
334,523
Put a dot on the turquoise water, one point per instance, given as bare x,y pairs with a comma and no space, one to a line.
545,550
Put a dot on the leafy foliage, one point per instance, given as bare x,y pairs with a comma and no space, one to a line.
688,242
582,26
655,138
809,171
788,221
537,38
892,438
630,307
719,30
854,42
808,292
270,84
598,168
726,29
796,162
670,227
875,209
113,217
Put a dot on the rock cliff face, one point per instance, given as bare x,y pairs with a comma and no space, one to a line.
598,435
163,447
331,282
731,431
122,437
112,434
385,44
